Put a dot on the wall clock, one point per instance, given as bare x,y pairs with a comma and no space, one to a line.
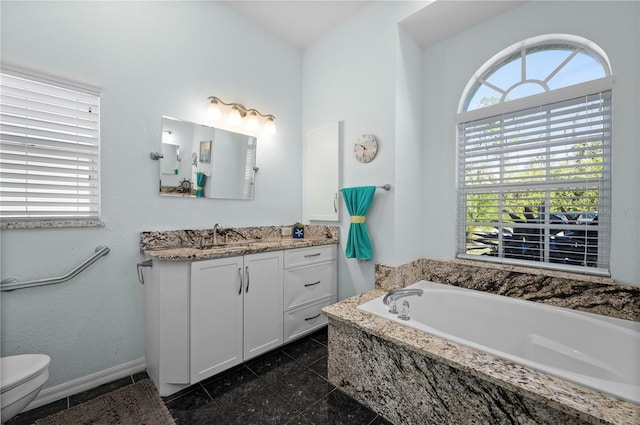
366,148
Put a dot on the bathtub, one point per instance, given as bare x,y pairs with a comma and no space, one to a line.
591,350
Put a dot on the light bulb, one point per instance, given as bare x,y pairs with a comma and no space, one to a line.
234,116
253,122
270,126
215,113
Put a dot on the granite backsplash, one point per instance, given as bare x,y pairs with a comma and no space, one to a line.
591,294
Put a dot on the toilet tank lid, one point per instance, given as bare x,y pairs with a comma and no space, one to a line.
14,370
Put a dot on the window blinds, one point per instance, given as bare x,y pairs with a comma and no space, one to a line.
49,149
535,184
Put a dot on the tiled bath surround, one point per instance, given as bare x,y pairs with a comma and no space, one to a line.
412,378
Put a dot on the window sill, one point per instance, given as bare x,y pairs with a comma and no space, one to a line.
51,224
544,271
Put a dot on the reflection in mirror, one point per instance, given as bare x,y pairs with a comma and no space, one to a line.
170,161
219,163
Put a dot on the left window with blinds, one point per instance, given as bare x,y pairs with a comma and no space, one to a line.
49,148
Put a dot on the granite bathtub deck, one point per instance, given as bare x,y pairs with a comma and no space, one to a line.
573,400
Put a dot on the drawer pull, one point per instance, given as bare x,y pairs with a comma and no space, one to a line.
314,317
311,284
312,255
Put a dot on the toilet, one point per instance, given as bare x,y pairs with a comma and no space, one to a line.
21,378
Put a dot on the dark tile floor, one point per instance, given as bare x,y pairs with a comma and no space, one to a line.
286,386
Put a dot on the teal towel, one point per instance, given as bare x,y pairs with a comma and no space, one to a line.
358,200
200,180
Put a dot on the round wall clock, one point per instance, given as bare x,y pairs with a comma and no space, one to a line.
366,148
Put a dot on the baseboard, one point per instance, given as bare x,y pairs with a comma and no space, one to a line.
49,395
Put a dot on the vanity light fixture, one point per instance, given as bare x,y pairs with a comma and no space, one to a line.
238,112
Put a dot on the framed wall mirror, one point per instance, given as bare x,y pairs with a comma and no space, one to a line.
206,162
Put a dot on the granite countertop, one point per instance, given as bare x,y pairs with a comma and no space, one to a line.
586,404
232,249
218,242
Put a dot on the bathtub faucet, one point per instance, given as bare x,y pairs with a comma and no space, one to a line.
393,296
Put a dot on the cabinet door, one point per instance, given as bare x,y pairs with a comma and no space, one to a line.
215,316
323,173
263,321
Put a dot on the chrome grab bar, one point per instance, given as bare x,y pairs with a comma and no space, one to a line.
11,284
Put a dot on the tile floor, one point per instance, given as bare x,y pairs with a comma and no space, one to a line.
286,386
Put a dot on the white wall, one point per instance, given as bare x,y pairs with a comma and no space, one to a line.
350,76
151,59
450,64
410,231
372,76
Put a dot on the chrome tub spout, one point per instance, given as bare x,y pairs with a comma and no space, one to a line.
393,296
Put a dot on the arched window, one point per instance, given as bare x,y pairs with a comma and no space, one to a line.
534,140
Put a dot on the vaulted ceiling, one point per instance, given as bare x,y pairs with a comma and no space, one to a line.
300,23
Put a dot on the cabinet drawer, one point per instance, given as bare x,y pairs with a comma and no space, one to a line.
305,320
309,283
315,254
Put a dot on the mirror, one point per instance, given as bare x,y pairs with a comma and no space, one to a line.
206,162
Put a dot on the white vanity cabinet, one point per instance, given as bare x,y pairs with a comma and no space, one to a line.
205,316
310,283
236,311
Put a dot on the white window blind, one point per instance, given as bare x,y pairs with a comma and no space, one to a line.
49,148
535,184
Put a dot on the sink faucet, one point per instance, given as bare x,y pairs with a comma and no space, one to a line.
394,295
216,228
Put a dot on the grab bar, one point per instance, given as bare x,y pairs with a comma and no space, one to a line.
11,284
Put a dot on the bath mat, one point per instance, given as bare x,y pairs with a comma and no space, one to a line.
135,404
